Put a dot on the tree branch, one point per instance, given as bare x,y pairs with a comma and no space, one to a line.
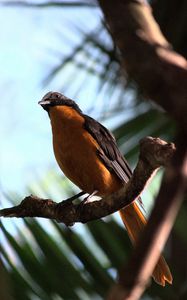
154,153
161,74
149,248
146,55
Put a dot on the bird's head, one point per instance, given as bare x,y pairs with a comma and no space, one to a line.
57,99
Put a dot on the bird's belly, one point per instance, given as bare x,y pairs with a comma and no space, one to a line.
77,157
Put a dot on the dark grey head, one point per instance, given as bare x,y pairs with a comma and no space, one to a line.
55,98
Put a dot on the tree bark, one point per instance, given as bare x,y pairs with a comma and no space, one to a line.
161,75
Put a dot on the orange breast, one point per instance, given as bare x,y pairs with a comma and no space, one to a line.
76,153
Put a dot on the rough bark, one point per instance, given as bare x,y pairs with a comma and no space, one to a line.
146,55
161,75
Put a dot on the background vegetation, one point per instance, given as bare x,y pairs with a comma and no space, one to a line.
45,260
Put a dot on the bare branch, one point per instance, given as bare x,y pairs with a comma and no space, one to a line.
156,232
154,153
160,72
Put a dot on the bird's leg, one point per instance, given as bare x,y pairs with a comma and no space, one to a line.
76,196
71,199
86,199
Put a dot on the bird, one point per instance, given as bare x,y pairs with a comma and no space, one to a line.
87,153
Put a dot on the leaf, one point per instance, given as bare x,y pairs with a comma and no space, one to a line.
101,279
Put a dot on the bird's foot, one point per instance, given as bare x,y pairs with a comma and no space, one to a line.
87,198
71,199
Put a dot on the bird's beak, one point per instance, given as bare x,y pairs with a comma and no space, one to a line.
44,102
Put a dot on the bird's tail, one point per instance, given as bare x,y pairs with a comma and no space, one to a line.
135,221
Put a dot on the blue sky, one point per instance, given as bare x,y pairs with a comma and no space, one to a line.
29,40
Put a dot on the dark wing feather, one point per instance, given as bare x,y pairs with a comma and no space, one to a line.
108,151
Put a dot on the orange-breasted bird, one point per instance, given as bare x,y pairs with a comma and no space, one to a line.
88,155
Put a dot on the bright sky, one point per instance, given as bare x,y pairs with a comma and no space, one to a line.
29,39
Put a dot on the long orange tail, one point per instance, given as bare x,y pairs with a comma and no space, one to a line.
135,221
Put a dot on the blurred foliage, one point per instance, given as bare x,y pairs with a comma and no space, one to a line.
44,259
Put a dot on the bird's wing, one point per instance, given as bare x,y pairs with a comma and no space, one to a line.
108,150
